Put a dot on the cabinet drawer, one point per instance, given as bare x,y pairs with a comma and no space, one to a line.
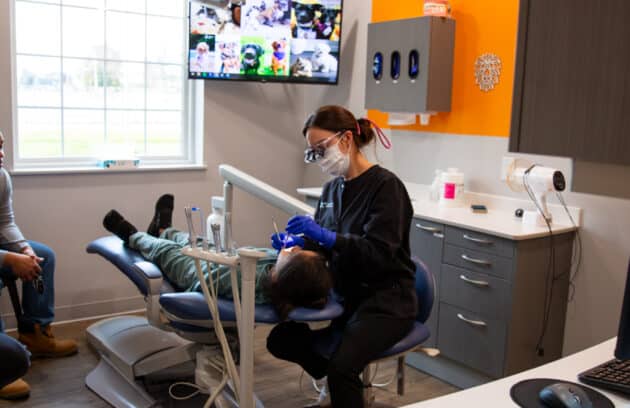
471,339
478,261
477,292
423,228
480,242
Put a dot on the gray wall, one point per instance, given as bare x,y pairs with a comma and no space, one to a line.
255,127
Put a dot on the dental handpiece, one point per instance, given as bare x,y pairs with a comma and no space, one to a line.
216,235
191,231
204,232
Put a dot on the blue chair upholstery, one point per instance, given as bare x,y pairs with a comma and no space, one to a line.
192,305
425,292
129,262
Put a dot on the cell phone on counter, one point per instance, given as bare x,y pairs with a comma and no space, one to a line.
479,208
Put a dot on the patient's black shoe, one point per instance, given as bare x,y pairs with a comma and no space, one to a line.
117,225
163,216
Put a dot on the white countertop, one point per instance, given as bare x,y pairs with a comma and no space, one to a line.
499,220
497,393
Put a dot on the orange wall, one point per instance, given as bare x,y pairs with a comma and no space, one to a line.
482,26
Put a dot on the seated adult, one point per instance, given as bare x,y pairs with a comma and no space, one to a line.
288,278
34,264
15,362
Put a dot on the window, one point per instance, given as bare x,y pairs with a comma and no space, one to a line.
92,75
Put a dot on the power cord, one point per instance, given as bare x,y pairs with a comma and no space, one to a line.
549,279
576,256
198,391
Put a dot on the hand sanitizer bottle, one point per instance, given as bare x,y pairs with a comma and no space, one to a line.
216,217
434,192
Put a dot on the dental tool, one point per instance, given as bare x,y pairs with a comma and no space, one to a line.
193,237
204,233
216,235
191,229
275,227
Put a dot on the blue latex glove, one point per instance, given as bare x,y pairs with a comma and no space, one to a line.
282,240
303,224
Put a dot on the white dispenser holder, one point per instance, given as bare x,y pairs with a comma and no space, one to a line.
401,118
425,117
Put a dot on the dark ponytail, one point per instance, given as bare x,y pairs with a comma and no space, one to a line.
367,134
335,118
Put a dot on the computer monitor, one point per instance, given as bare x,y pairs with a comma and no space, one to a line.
622,351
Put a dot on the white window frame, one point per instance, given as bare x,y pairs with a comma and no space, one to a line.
192,126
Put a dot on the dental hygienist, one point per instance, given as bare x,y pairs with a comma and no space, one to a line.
362,225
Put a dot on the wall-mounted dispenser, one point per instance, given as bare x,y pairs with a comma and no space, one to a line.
411,68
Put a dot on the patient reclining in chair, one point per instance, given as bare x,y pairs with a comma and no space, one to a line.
291,278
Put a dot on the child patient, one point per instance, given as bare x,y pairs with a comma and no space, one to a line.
287,279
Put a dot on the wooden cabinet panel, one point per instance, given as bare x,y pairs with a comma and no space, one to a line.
572,88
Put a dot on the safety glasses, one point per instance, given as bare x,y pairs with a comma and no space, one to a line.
316,152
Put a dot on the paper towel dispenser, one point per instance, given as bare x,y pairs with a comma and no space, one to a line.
410,65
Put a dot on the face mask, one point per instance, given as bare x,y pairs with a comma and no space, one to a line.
334,162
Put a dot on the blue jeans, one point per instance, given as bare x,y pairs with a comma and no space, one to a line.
15,360
36,307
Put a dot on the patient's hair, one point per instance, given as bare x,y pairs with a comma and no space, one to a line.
304,280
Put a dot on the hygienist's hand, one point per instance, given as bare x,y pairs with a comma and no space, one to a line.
282,240
303,224
25,267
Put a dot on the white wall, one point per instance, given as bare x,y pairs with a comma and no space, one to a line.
255,127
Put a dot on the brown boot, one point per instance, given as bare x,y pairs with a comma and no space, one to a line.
18,389
42,343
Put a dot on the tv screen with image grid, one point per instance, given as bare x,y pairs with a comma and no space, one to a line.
265,40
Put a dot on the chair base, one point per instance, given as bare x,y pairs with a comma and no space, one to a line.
108,384
131,349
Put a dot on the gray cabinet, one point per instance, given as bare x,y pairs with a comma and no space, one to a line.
426,243
489,308
571,93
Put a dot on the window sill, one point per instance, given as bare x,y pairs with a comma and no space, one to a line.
97,170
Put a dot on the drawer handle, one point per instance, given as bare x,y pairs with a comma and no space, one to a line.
476,261
478,240
473,322
428,229
474,282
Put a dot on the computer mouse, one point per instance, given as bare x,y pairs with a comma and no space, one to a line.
564,395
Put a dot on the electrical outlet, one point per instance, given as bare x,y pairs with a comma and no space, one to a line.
506,163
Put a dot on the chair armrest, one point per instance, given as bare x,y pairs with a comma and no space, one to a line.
151,275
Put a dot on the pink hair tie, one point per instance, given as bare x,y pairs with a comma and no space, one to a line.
387,144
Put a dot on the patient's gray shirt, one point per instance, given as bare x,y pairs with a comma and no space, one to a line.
11,238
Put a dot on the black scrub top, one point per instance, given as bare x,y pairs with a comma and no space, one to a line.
371,259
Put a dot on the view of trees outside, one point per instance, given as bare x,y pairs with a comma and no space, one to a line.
91,72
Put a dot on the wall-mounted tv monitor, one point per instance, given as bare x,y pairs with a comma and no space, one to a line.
265,40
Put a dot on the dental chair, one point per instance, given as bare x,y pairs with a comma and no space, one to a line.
425,291
164,345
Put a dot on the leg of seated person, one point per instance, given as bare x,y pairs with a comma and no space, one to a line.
175,235
39,312
294,342
15,363
364,338
179,269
